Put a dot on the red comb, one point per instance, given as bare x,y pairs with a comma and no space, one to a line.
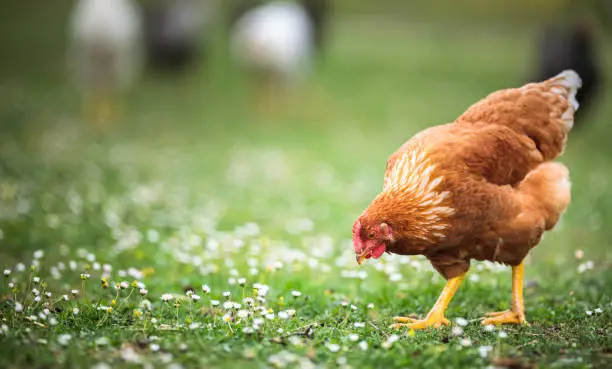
357,242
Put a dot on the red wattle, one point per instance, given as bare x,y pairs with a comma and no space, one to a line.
378,251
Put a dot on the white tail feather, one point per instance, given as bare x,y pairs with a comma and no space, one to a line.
572,82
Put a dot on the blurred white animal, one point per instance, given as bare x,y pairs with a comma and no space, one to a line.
105,54
275,38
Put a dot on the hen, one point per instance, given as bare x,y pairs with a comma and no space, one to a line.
178,32
105,52
277,44
482,187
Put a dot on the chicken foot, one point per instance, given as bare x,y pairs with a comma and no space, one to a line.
435,318
516,314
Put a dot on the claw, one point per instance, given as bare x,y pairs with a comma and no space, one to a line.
496,313
435,321
505,317
435,318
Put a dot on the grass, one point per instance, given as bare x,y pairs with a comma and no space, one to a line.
193,189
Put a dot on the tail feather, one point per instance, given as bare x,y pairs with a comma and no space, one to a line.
566,84
543,111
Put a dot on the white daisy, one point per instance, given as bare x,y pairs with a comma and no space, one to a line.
63,339
283,315
484,351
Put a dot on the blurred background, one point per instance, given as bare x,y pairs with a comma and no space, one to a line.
125,119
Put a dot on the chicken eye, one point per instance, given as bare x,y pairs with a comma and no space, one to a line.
371,235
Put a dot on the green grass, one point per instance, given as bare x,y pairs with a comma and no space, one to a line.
170,191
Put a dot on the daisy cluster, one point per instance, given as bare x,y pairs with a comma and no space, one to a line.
253,281
37,295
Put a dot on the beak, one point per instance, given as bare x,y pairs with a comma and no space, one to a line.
361,257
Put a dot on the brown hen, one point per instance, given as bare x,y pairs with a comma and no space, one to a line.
482,187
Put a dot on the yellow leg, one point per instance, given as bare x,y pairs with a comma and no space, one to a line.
102,111
516,314
263,100
435,318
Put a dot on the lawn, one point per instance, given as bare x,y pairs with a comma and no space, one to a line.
196,234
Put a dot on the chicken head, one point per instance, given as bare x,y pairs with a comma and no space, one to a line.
370,241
